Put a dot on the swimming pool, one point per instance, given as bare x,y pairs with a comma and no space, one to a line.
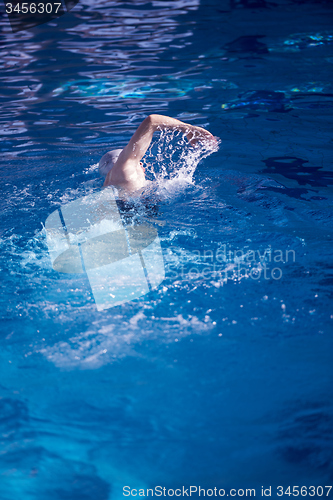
221,375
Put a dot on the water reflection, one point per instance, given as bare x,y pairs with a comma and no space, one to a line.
99,91
101,55
294,169
247,44
301,41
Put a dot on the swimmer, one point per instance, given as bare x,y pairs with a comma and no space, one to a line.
123,168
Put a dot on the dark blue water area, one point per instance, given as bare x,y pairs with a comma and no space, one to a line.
221,375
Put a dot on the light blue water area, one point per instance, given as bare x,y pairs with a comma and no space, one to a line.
221,374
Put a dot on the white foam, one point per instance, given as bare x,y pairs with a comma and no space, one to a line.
171,161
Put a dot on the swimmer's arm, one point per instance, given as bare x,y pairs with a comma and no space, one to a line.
125,167
192,132
124,170
142,137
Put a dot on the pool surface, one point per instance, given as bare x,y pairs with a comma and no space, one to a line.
212,367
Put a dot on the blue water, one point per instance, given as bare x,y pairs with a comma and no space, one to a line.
222,375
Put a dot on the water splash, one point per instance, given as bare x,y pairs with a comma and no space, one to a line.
171,161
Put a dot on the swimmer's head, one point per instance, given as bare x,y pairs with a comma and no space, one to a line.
107,161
